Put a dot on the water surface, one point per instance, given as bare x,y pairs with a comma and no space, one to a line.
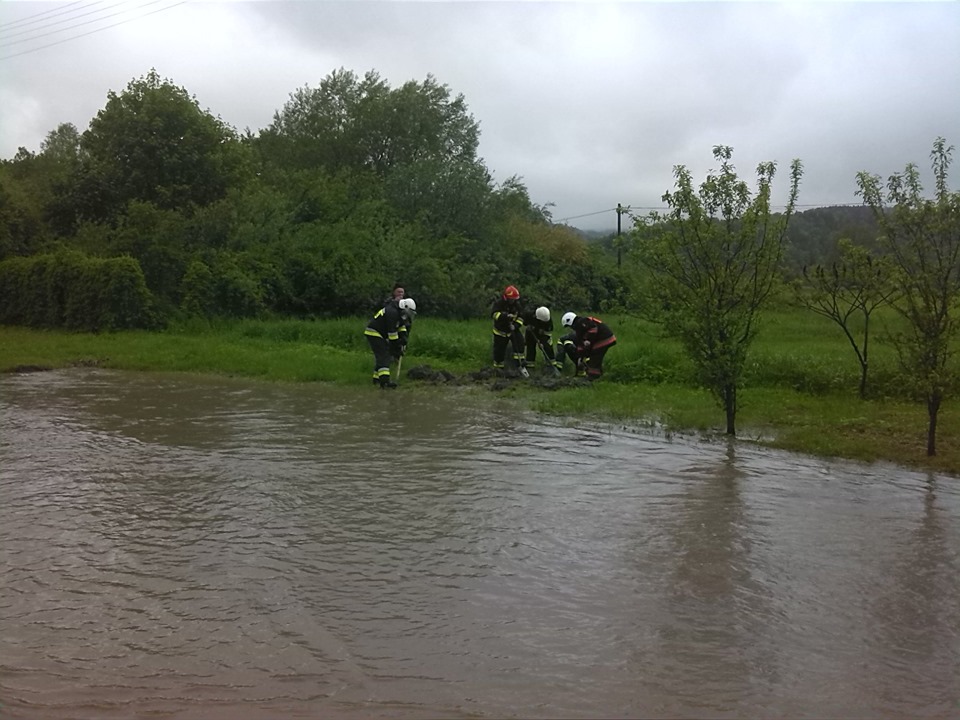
180,546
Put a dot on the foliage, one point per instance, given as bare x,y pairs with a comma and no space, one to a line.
848,292
714,258
922,237
354,185
361,123
814,236
153,143
71,290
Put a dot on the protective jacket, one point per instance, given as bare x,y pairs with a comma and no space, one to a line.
506,316
592,334
389,323
593,338
383,335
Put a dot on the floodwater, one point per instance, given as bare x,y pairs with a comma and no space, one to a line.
184,547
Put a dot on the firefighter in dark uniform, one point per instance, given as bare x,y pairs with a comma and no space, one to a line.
507,322
587,343
397,294
538,332
383,334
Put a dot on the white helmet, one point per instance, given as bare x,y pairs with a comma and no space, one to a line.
408,304
543,314
567,319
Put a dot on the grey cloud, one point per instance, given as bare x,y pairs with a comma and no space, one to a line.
591,103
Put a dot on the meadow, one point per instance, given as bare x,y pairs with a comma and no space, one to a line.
799,394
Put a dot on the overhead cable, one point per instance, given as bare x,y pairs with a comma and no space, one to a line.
10,34
628,209
91,32
38,17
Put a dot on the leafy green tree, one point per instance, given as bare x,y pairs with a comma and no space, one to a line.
153,143
847,292
447,197
362,123
922,237
161,240
31,186
62,146
714,258
198,290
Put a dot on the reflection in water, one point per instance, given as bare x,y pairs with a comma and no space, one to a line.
717,609
221,548
915,628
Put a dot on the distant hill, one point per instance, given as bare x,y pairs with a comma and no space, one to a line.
812,235
594,235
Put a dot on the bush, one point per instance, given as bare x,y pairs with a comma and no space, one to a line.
71,290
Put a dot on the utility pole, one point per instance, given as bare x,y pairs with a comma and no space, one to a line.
621,209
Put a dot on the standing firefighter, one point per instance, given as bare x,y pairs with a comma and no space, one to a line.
538,332
386,340
587,343
506,329
398,294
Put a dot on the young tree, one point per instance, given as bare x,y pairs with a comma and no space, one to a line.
923,239
851,288
714,258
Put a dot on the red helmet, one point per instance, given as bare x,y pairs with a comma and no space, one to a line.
511,293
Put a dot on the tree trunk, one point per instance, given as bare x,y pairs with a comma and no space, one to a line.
730,407
933,409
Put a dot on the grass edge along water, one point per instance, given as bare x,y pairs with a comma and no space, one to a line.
800,390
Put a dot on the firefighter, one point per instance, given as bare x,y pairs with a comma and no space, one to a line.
538,332
397,294
507,322
383,334
587,343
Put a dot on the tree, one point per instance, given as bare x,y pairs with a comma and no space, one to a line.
361,123
62,145
153,143
853,287
714,258
923,239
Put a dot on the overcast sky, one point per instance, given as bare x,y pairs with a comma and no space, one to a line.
590,103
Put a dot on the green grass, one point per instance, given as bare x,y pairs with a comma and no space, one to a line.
800,392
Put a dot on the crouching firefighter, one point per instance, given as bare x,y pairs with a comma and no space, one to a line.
587,343
507,322
386,339
538,332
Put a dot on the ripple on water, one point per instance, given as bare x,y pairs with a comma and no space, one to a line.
213,547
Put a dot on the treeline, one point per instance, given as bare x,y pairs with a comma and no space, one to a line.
159,210
354,185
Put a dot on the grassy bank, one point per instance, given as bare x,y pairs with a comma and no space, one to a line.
800,393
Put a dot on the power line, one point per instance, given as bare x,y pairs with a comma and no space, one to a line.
598,212
91,32
80,24
628,209
30,19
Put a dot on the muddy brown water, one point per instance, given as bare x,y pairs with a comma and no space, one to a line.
184,547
